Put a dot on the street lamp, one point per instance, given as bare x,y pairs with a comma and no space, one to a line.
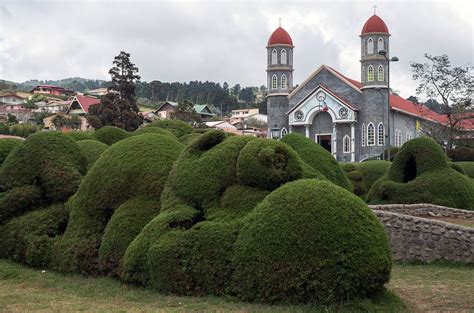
392,59
275,131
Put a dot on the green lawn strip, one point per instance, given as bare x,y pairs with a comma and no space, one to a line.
23,290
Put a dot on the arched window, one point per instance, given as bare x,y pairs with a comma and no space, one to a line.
381,135
274,82
370,46
284,84
380,74
370,73
371,134
274,57
408,136
346,144
283,132
283,56
363,135
398,138
380,45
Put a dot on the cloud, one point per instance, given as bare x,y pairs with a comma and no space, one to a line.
219,41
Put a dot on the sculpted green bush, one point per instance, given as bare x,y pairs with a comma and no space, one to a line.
318,158
7,145
46,168
310,241
154,130
134,167
420,174
356,178
92,149
187,139
177,127
468,168
81,135
110,134
372,171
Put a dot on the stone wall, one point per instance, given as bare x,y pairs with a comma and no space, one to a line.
424,210
417,238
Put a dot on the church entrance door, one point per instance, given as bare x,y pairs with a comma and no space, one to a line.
325,141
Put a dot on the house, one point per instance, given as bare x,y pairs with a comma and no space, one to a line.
80,106
238,116
12,99
52,107
12,104
204,111
166,109
223,125
52,90
98,92
148,116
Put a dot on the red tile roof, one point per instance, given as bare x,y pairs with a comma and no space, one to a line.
374,25
280,37
85,102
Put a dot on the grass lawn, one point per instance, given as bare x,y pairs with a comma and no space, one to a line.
422,287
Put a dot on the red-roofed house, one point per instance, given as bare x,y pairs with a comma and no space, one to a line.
354,120
79,106
52,90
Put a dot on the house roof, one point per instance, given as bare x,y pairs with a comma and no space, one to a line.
200,109
11,95
86,102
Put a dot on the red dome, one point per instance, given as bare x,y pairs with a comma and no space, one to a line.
280,37
374,25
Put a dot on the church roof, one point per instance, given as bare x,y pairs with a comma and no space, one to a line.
280,37
374,25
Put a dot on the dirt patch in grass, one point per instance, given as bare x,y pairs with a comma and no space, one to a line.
459,221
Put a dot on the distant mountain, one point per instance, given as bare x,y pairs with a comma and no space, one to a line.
73,83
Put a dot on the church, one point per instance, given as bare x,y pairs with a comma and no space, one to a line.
354,120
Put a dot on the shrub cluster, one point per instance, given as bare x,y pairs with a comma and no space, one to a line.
465,154
356,178
177,127
372,171
7,145
110,134
92,150
468,168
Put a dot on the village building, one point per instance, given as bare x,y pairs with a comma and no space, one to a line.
12,104
354,120
52,90
166,110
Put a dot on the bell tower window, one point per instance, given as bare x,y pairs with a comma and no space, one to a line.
274,56
380,45
371,135
274,82
370,46
381,135
370,73
283,57
284,84
380,74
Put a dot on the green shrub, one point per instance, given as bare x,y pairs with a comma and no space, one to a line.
136,166
187,139
356,178
457,168
23,130
28,238
372,171
177,127
420,174
19,200
110,134
392,151
124,225
92,150
468,168
318,158
81,135
461,154
310,241
6,146
154,130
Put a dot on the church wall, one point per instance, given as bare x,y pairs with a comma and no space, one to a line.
341,131
322,124
403,122
277,106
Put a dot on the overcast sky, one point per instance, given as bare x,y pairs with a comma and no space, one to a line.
221,40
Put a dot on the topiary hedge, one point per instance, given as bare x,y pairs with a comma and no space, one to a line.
356,178
153,130
393,152
372,171
317,158
187,139
177,127
92,150
6,146
461,154
81,135
468,168
310,241
110,134
133,167
420,174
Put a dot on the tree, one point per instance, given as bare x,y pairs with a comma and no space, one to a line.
247,95
119,108
452,88
12,119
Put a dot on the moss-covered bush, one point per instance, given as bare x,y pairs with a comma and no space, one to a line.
46,168
462,154
110,134
392,151
6,146
81,135
177,127
29,238
153,130
468,168
317,158
134,167
420,174
187,139
356,178
310,241
457,168
372,171
92,149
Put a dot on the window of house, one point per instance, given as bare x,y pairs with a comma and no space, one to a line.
370,46
381,135
284,83
398,138
380,45
363,135
283,56
274,82
380,74
370,73
346,144
371,134
274,57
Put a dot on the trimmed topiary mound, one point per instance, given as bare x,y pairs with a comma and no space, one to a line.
46,168
468,168
317,158
462,154
134,167
420,174
81,135
356,178
153,130
177,127
6,146
187,139
310,241
110,134
92,149
372,171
